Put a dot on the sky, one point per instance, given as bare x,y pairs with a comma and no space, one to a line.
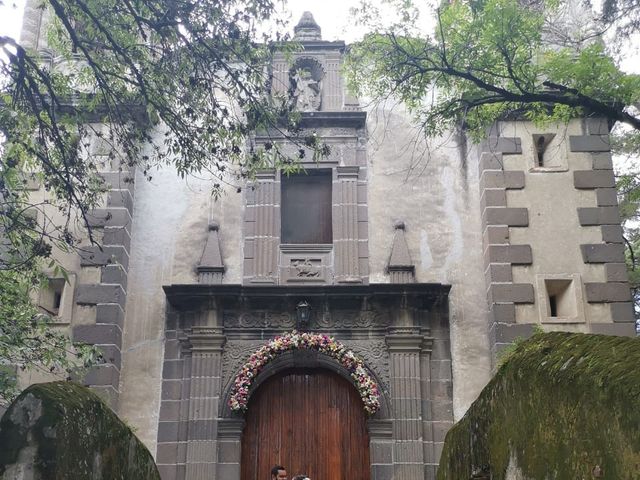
331,15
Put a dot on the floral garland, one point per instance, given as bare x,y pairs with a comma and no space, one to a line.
366,386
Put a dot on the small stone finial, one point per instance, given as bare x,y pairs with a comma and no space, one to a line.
211,269
307,29
400,267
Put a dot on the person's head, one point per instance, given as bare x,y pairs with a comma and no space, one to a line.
300,477
278,472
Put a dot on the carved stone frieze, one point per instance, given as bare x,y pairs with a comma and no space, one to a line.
259,319
341,319
353,319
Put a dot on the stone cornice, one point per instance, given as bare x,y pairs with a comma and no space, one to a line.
188,296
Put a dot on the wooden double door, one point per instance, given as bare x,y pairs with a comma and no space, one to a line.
310,421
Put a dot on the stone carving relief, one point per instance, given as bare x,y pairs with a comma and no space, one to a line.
306,267
306,84
341,319
235,354
375,355
259,319
354,319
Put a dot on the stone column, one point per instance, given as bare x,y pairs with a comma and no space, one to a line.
406,397
345,231
206,351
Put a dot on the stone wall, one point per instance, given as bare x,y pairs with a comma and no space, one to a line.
63,430
562,405
551,228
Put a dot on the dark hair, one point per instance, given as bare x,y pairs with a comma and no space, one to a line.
275,469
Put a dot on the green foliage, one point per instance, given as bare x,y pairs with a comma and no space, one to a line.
488,60
131,84
27,339
563,406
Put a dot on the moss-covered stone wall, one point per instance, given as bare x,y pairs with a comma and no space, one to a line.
562,406
61,430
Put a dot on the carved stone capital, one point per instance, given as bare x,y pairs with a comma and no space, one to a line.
205,339
427,345
349,172
399,342
230,428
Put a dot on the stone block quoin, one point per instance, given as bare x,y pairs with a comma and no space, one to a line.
499,254
606,216
112,224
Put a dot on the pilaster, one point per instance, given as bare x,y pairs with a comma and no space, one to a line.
262,229
406,397
345,221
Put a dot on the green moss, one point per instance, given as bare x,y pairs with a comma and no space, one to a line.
76,434
561,405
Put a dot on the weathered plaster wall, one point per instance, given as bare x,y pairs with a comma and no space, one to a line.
435,192
170,228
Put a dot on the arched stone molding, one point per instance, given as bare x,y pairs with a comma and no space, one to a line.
303,358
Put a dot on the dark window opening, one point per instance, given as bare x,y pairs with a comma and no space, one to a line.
305,211
553,306
561,298
540,148
57,298
50,299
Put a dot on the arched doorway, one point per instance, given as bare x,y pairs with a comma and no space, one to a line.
309,420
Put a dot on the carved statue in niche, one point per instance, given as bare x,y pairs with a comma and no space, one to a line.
306,89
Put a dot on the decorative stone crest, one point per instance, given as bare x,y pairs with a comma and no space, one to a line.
306,267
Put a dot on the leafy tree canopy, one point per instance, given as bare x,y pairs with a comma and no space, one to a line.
491,59
181,83
488,60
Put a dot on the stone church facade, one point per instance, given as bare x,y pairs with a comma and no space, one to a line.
424,265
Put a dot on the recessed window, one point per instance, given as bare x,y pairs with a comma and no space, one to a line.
561,298
306,207
540,144
51,296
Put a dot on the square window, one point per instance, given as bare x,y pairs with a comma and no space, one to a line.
560,298
50,299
